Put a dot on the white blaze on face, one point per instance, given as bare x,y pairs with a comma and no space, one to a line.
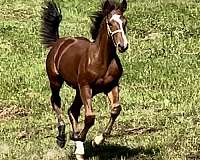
117,19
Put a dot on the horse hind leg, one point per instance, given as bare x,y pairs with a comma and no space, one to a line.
74,113
113,96
56,104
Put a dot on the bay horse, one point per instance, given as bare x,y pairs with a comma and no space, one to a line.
90,67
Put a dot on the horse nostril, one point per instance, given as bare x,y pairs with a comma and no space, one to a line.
121,45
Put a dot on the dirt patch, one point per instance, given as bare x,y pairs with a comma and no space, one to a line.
13,112
4,149
123,129
54,154
30,132
193,156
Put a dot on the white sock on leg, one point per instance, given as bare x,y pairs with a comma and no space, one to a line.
79,148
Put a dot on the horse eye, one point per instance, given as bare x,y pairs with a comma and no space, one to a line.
109,24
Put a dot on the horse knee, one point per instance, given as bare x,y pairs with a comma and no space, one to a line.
55,99
115,111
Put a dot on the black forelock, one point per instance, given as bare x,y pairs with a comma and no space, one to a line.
98,16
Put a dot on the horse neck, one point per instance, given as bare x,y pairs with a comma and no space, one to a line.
104,44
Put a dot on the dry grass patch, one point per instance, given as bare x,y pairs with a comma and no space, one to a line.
11,112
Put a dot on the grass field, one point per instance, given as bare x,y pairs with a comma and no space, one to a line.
160,87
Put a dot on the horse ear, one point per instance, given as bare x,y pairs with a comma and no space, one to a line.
106,7
123,6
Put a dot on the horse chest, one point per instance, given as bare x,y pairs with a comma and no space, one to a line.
99,75
113,73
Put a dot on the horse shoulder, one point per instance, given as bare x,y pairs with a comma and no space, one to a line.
114,71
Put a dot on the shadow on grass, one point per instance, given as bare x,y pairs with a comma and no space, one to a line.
117,152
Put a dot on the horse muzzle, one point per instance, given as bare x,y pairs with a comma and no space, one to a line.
122,48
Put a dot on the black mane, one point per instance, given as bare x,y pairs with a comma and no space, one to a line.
98,16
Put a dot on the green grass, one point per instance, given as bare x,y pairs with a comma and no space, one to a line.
160,87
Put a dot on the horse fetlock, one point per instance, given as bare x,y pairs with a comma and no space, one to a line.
76,136
116,111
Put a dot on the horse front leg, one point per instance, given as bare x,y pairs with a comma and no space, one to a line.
113,96
86,97
74,113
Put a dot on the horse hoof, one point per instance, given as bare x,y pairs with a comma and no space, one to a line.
80,157
97,141
76,137
61,141
95,145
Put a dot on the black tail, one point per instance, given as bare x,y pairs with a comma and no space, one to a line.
51,18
